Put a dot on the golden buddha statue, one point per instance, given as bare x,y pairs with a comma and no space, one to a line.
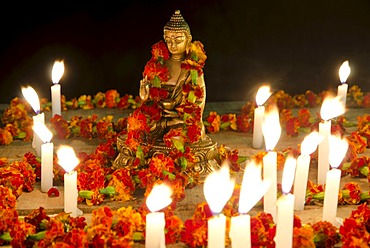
173,95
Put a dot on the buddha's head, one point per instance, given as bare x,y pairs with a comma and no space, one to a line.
177,34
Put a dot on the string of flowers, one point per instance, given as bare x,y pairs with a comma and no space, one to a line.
126,226
17,122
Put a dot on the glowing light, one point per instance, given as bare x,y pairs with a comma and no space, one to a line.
67,158
218,188
331,107
288,174
271,128
337,150
42,131
344,72
159,197
310,143
253,187
57,72
262,95
32,98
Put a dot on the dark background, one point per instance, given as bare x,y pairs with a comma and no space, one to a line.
293,45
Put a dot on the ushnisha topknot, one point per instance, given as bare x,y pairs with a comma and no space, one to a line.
177,23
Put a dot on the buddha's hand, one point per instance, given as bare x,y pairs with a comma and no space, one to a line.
144,88
170,114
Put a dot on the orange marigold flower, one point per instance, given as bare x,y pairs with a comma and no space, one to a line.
303,237
292,127
350,194
60,126
7,199
286,115
160,50
161,163
111,98
99,100
213,122
325,234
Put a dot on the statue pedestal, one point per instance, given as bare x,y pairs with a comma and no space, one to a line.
205,152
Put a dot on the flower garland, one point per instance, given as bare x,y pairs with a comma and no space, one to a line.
126,226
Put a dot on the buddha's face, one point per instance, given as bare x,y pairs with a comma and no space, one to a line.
176,42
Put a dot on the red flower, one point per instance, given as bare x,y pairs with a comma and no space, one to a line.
60,126
111,97
153,70
53,192
160,50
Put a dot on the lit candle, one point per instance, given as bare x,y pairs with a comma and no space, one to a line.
285,205
32,98
56,75
308,146
159,198
330,108
218,188
338,149
252,190
344,72
68,160
271,130
262,95
47,150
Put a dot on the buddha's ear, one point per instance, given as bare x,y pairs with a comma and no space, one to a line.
189,43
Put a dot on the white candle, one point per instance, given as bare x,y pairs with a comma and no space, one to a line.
330,108
285,206
342,93
271,131
308,146
331,195
338,149
159,198
252,190
270,174
300,182
47,174
55,100
37,142
262,95
323,155
216,231
259,113
68,160
57,73
70,193
344,72
154,230
240,231
285,218
47,150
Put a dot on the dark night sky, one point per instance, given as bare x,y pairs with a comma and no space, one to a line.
293,45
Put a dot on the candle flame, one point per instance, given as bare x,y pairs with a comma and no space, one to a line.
32,98
159,197
331,107
58,71
310,143
218,188
271,128
288,174
337,150
262,95
253,187
67,158
42,131
344,72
